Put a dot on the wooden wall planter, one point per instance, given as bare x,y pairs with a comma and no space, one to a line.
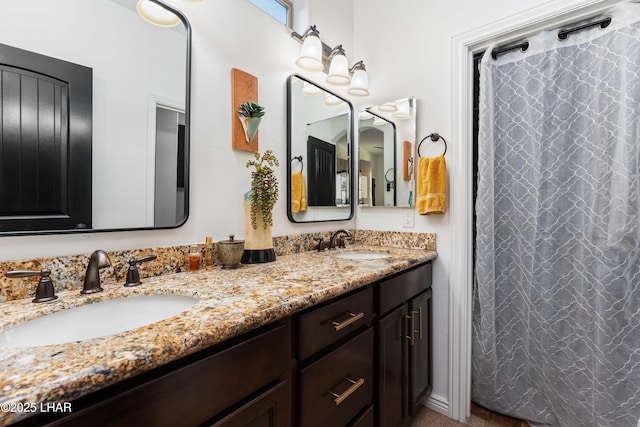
244,87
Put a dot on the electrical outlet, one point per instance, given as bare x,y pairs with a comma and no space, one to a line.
408,221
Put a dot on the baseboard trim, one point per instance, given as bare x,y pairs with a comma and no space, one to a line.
437,403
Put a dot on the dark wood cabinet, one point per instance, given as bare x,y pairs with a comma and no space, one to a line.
420,364
392,368
404,345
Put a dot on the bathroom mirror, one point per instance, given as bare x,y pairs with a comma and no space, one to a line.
319,156
386,144
124,156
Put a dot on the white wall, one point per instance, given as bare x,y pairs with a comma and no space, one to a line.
406,45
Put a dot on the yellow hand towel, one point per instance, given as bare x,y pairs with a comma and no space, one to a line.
298,193
432,185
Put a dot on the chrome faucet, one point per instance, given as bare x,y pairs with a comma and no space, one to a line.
99,259
340,242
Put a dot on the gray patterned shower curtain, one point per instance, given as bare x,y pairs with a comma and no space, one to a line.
556,322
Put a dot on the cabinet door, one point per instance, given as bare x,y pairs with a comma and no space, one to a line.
420,349
392,368
270,409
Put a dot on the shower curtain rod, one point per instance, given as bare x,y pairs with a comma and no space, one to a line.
562,35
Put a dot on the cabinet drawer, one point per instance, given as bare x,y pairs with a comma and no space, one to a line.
270,409
401,288
365,420
337,387
197,392
327,324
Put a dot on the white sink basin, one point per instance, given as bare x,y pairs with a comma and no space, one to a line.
362,255
95,320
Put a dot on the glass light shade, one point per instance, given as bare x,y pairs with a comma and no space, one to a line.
404,110
388,107
364,115
359,83
156,14
332,99
192,1
311,89
311,54
377,121
339,71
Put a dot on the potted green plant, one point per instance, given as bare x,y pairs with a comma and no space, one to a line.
250,114
258,208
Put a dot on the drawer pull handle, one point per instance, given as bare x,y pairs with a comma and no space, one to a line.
352,318
420,320
339,398
412,330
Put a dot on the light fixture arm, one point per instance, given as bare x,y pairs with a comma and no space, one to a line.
357,66
338,50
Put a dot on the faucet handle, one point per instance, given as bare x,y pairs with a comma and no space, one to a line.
320,246
343,239
133,276
45,291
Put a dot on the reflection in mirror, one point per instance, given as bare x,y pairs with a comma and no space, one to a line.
319,145
386,141
118,142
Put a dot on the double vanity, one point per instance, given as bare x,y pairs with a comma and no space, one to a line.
326,338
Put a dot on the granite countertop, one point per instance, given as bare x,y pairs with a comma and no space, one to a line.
231,302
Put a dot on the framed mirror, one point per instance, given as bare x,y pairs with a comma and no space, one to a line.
319,153
386,145
94,104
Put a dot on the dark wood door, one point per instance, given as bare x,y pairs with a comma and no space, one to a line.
45,142
392,368
321,177
420,375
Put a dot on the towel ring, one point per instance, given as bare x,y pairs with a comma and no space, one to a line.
434,137
299,158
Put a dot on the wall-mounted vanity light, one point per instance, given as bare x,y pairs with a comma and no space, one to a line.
379,121
317,56
364,115
339,67
155,14
311,52
359,80
311,89
331,99
403,110
388,107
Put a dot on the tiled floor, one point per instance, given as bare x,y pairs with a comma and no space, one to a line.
480,417
430,418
